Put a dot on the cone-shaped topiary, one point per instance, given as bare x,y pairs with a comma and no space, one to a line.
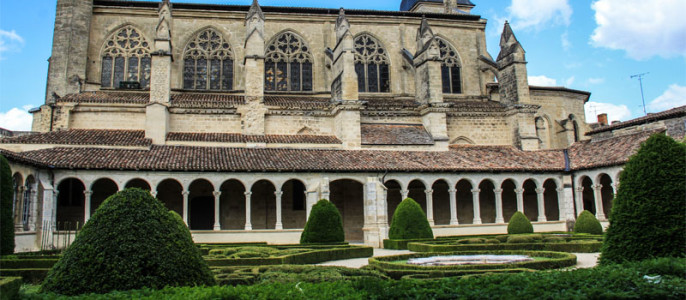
648,215
409,222
587,223
324,225
131,242
6,221
519,223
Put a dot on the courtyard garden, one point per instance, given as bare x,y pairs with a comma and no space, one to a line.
134,248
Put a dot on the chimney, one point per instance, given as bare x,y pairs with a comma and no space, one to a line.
602,119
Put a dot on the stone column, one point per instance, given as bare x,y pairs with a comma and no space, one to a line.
430,206
154,194
34,209
54,209
453,207
579,200
405,193
217,225
561,205
248,210
615,187
499,206
87,205
541,205
185,206
19,209
311,199
279,225
598,195
477,208
520,200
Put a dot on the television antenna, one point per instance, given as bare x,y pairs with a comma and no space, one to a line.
640,82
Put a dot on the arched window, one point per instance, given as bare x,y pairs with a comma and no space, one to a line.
288,64
542,132
26,213
208,62
450,68
126,57
371,65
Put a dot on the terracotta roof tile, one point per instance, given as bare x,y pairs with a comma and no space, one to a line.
395,134
390,103
107,97
608,152
298,102
84,137
240,138
206,100
667,114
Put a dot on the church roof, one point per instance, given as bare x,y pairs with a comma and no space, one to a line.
395,134
407,5
667,114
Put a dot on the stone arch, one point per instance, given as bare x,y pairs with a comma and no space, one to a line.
288,63
441,202
348,196
465,202
201,205
208,61
462,140
543,131
393,198
306,131
170,193
606,192
487,201
587,195
372,64
530,198
551,201
263,205
293,204
30,191
232,205
125,56
70,204
417,191
138,183
101,189
509,196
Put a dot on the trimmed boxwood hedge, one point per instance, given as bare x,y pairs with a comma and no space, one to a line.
580,247
587,223
317,255
132,241
409,222
435,274
27,263
9,287
6,218
400,244
324,225
555,260
519,223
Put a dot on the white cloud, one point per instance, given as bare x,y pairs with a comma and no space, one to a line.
10,41
641,28
570,81
16,119
542,81
614,112
673,97
566,44
538,13
596,80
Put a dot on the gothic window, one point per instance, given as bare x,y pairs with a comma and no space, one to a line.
126,57
208,62
450,68
371,65
288,64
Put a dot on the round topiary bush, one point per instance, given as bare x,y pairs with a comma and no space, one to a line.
410,222
324,225
6,220
649,212
131,242
519,223
587,223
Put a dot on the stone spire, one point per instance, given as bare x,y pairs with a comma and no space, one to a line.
424,35
254,20
253,112
164,23
342,25
157,111
509,44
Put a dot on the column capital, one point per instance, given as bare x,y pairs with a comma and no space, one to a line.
540,191
87,193
278,193
429,191
452,191
185,193
248,193
615,185
560,190
498,191
579,189
597,186
217,193
519,191
154,194
476,190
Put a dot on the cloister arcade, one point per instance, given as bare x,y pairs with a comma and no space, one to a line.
254,202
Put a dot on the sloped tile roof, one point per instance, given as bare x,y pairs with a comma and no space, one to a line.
609,152
84,137
107,97
395,134
667,114
240,138
206,100
299,102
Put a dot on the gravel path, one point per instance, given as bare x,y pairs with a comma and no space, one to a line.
584,260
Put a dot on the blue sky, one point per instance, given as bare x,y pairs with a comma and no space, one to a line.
582,44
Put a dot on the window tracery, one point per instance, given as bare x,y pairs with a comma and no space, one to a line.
208,62
371,65
288,64
450,67
126,57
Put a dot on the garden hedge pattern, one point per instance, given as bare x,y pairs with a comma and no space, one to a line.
519,223
324,225
587,223
409,222
6,215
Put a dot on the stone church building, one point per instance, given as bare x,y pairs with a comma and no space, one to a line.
240,118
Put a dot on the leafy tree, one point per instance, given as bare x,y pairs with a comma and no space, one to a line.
519,223
587,223
131,242
324,225
6,220
410,222
648,215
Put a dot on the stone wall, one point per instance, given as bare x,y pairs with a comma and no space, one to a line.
480,129
205,122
